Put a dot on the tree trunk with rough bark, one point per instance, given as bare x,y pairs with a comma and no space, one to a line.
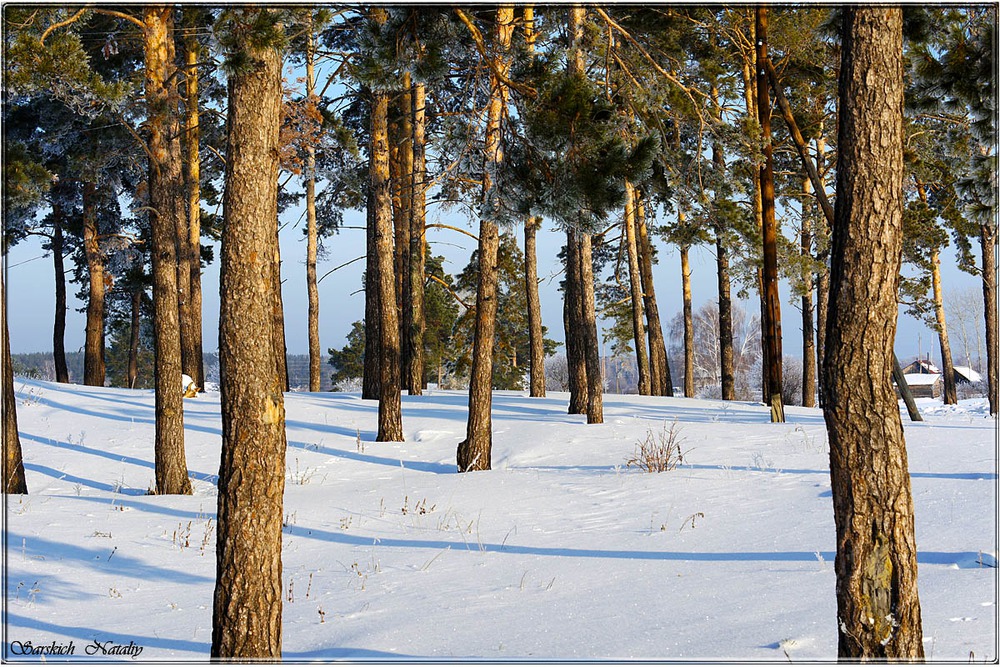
659,367
371,381
59,326
535,336
312,234
166,188
726,361
248,591
635,290
13,462
688,320
192,177
93,347
475,452
133,341
418,242
401,136
876,564
592,358
771,297
390,416
808,335
947,367
573,323
988,243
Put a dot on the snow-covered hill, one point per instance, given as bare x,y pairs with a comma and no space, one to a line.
562,551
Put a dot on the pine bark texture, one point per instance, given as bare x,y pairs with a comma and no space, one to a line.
947,366
771,297
192,177
535,337
988,243
418,242
661,383
13,462
595,379
635,290
371,381
248,601
876,563
808,311
166,190
93,346
312,234
401,136
59,324
573,323
475,452
688,321
390,416
726,359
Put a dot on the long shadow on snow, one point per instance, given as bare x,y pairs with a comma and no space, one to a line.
98,559
422,466
73,479
128,418
964,559
117,458
88,635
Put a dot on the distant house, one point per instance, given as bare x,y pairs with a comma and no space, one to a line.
921,366
924,385
964,374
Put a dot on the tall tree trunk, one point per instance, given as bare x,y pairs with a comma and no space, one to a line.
133,341
659,367
573,323
904,390
167,197
535,336
808,336
947,367
13,463
246,621
726,370
59,326
401,148
418,242
93,349
988,243
772,300
595,377
877,604
475,452
280,348
192,176
688,320
312,235
185,251
635,290
371,381
390,416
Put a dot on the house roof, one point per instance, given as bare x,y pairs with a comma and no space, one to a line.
921,379
968,373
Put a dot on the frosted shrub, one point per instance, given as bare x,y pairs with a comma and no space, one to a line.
659,452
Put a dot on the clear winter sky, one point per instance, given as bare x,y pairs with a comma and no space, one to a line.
31,293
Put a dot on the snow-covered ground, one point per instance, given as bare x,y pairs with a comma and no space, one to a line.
562,551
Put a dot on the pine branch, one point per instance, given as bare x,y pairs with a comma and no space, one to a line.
477,37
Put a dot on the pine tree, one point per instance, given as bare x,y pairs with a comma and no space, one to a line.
878,610
246,621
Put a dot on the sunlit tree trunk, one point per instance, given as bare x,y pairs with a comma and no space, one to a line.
988,242
401,170
947,367
635,290
312,235
418,242
535,336
166,188
595,376
877,605
192,164
808,336
93,347
475,452
246,621
659,367
13,463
